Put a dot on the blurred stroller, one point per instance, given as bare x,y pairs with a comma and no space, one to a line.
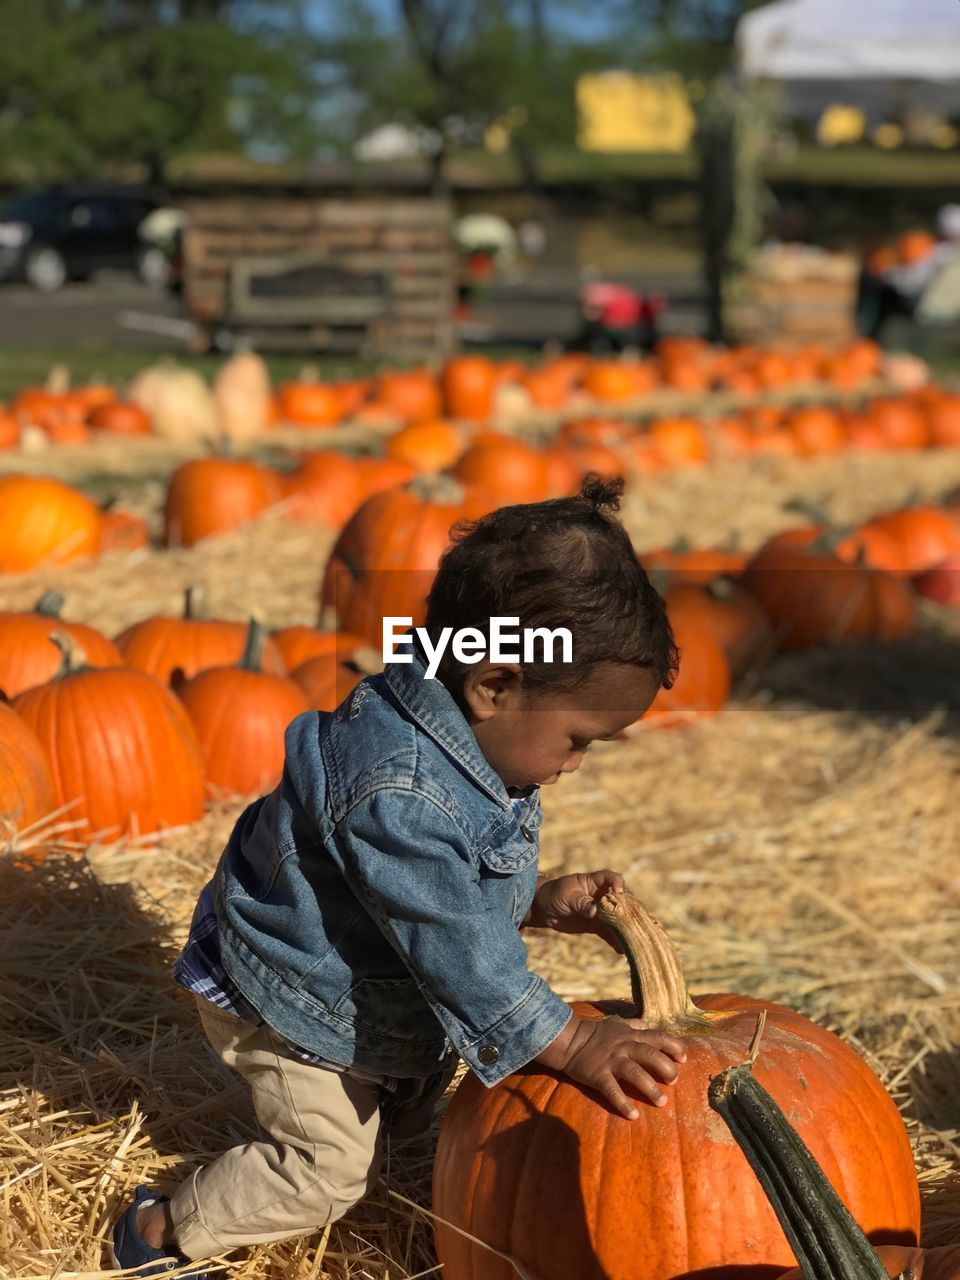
614,317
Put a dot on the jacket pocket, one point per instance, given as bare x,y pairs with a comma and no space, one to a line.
388,1009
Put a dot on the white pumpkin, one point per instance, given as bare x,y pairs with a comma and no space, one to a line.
179,402
241,392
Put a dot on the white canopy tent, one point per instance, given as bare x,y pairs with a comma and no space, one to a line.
871,40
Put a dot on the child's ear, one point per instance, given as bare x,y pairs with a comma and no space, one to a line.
489,689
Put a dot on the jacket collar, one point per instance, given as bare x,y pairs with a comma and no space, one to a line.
434,709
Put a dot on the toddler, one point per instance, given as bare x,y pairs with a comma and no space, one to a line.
362,929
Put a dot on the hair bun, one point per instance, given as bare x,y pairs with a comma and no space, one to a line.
603,494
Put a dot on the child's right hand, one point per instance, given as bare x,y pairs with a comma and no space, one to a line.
601,1053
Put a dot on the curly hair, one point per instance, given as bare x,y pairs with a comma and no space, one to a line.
566,562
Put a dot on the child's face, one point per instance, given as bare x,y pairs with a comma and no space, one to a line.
533,737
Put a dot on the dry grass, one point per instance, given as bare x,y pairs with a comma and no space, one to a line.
802,846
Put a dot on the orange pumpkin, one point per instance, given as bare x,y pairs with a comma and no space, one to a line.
386,558
308,403
812,598
26,785
29,657
469,383
510,470
174,649
325,488
562,472
240,714
210,496
943,419
123,753
599,459
610,380
9,430
901,424
376,475
734,619
413,395
298,643
431,445
679,442
121,418
669,1194
703,681
43,522
817,431
941,584
123,530
325,681
922,537
696,566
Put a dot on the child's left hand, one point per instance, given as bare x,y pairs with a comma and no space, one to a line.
568,904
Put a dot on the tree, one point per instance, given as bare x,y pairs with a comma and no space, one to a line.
450,68
114,83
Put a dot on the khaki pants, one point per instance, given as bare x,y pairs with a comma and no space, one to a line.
321,1153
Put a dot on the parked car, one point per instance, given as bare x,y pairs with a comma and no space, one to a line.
68,232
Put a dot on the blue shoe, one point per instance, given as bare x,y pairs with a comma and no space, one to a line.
129,1249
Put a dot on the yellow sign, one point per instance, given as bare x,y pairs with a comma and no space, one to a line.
620,111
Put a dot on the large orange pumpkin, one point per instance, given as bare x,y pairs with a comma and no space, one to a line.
43,521
732,616
469,383
324,488
812,598
385,560
543,1171
26,786
298,643
680,442
174,649
703,681
29,657
211,496
943,417
240,714
124,755
510,470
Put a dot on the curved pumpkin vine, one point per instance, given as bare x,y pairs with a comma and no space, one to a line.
827,1242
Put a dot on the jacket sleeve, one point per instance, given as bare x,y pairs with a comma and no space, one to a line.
405,860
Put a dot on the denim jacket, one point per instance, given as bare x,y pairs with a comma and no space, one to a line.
368,908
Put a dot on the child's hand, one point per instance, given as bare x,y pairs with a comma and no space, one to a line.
601,1054
569,903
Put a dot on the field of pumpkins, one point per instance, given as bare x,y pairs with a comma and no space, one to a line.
187,565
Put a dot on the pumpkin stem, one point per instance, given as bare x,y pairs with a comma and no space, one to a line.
656,976
74,658
826,1241
253,651
49,605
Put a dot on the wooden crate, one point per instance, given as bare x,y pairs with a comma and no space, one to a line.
794,297
377,276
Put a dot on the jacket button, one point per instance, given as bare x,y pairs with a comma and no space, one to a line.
488,1054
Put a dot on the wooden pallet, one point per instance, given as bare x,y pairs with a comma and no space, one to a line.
389,266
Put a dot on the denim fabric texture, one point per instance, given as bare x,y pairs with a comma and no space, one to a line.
368,908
